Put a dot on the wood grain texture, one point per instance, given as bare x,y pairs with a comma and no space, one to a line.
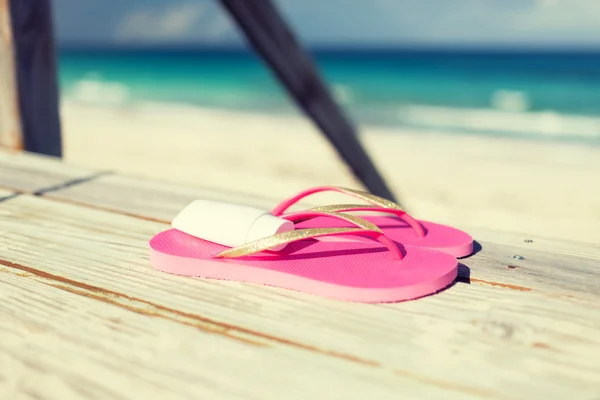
557,266
27,172
10,122
522,328
536,338
60,342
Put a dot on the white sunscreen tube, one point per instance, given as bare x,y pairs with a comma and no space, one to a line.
229,224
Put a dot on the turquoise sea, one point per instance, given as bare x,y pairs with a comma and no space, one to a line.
545,95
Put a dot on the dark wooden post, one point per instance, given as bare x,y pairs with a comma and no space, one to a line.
31,114
274,41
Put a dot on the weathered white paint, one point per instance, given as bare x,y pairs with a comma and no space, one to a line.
10,124
87,316
59,345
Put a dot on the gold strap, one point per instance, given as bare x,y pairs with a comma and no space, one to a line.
363,225
340,208
381,205
282,238
370,198
300,216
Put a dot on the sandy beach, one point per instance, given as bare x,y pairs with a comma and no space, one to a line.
534,187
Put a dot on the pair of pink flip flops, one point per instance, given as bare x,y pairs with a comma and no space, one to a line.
325,251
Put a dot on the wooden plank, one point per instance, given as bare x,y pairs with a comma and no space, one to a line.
554,267
544,259
557,266
162,201
29,172
35,64
117,351
482,340
149,199
547,264
10,123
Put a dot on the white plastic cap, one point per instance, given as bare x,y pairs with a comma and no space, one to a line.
229,224
267,225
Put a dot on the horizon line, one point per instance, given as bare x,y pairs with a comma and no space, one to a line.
415,47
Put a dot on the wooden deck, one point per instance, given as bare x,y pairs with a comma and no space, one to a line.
84,315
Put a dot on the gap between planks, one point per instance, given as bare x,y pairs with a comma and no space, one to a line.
61,186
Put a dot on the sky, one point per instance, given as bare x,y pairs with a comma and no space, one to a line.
359,23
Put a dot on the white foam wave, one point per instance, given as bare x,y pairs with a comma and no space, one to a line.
540,123
510,100
94,90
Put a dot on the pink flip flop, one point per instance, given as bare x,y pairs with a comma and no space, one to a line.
372,269
399,227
